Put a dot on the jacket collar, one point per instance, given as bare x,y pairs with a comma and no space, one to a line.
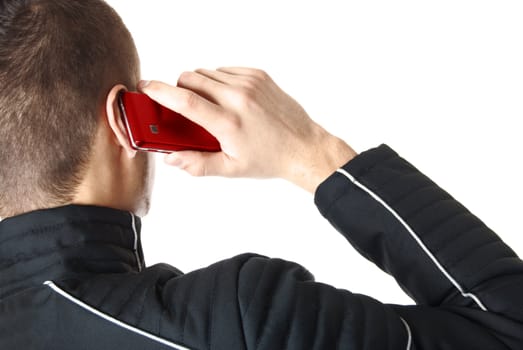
67,242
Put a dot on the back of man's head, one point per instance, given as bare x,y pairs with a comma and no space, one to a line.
58,61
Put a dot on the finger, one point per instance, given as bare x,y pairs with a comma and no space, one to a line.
222,77
252,72
200,163
204,86
186,102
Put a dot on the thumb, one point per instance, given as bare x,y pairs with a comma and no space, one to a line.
200,163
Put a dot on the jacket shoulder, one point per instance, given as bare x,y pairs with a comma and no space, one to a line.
197,309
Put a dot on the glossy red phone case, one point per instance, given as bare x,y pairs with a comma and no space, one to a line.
153,127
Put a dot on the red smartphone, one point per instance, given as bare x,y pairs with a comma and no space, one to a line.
153,127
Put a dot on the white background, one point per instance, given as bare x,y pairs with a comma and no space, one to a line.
441,82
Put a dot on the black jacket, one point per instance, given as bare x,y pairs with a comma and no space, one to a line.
74,278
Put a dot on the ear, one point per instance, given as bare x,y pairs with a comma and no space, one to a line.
115,121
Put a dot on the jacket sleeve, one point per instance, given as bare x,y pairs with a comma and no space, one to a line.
436,249
467,283
439,253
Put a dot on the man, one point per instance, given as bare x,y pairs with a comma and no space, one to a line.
72,272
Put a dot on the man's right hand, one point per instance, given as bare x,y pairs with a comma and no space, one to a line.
263,132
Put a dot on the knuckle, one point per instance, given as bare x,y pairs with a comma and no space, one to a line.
231,125
245,100
261,74
250,83
246,95
235,123
235,97
189,100
185,75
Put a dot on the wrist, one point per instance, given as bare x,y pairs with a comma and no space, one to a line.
321,160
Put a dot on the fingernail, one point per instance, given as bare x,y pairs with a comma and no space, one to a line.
143,84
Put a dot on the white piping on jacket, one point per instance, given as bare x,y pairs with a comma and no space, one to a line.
135,247
416,238
111,319
409,333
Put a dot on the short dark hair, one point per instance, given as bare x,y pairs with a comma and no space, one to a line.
58,61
